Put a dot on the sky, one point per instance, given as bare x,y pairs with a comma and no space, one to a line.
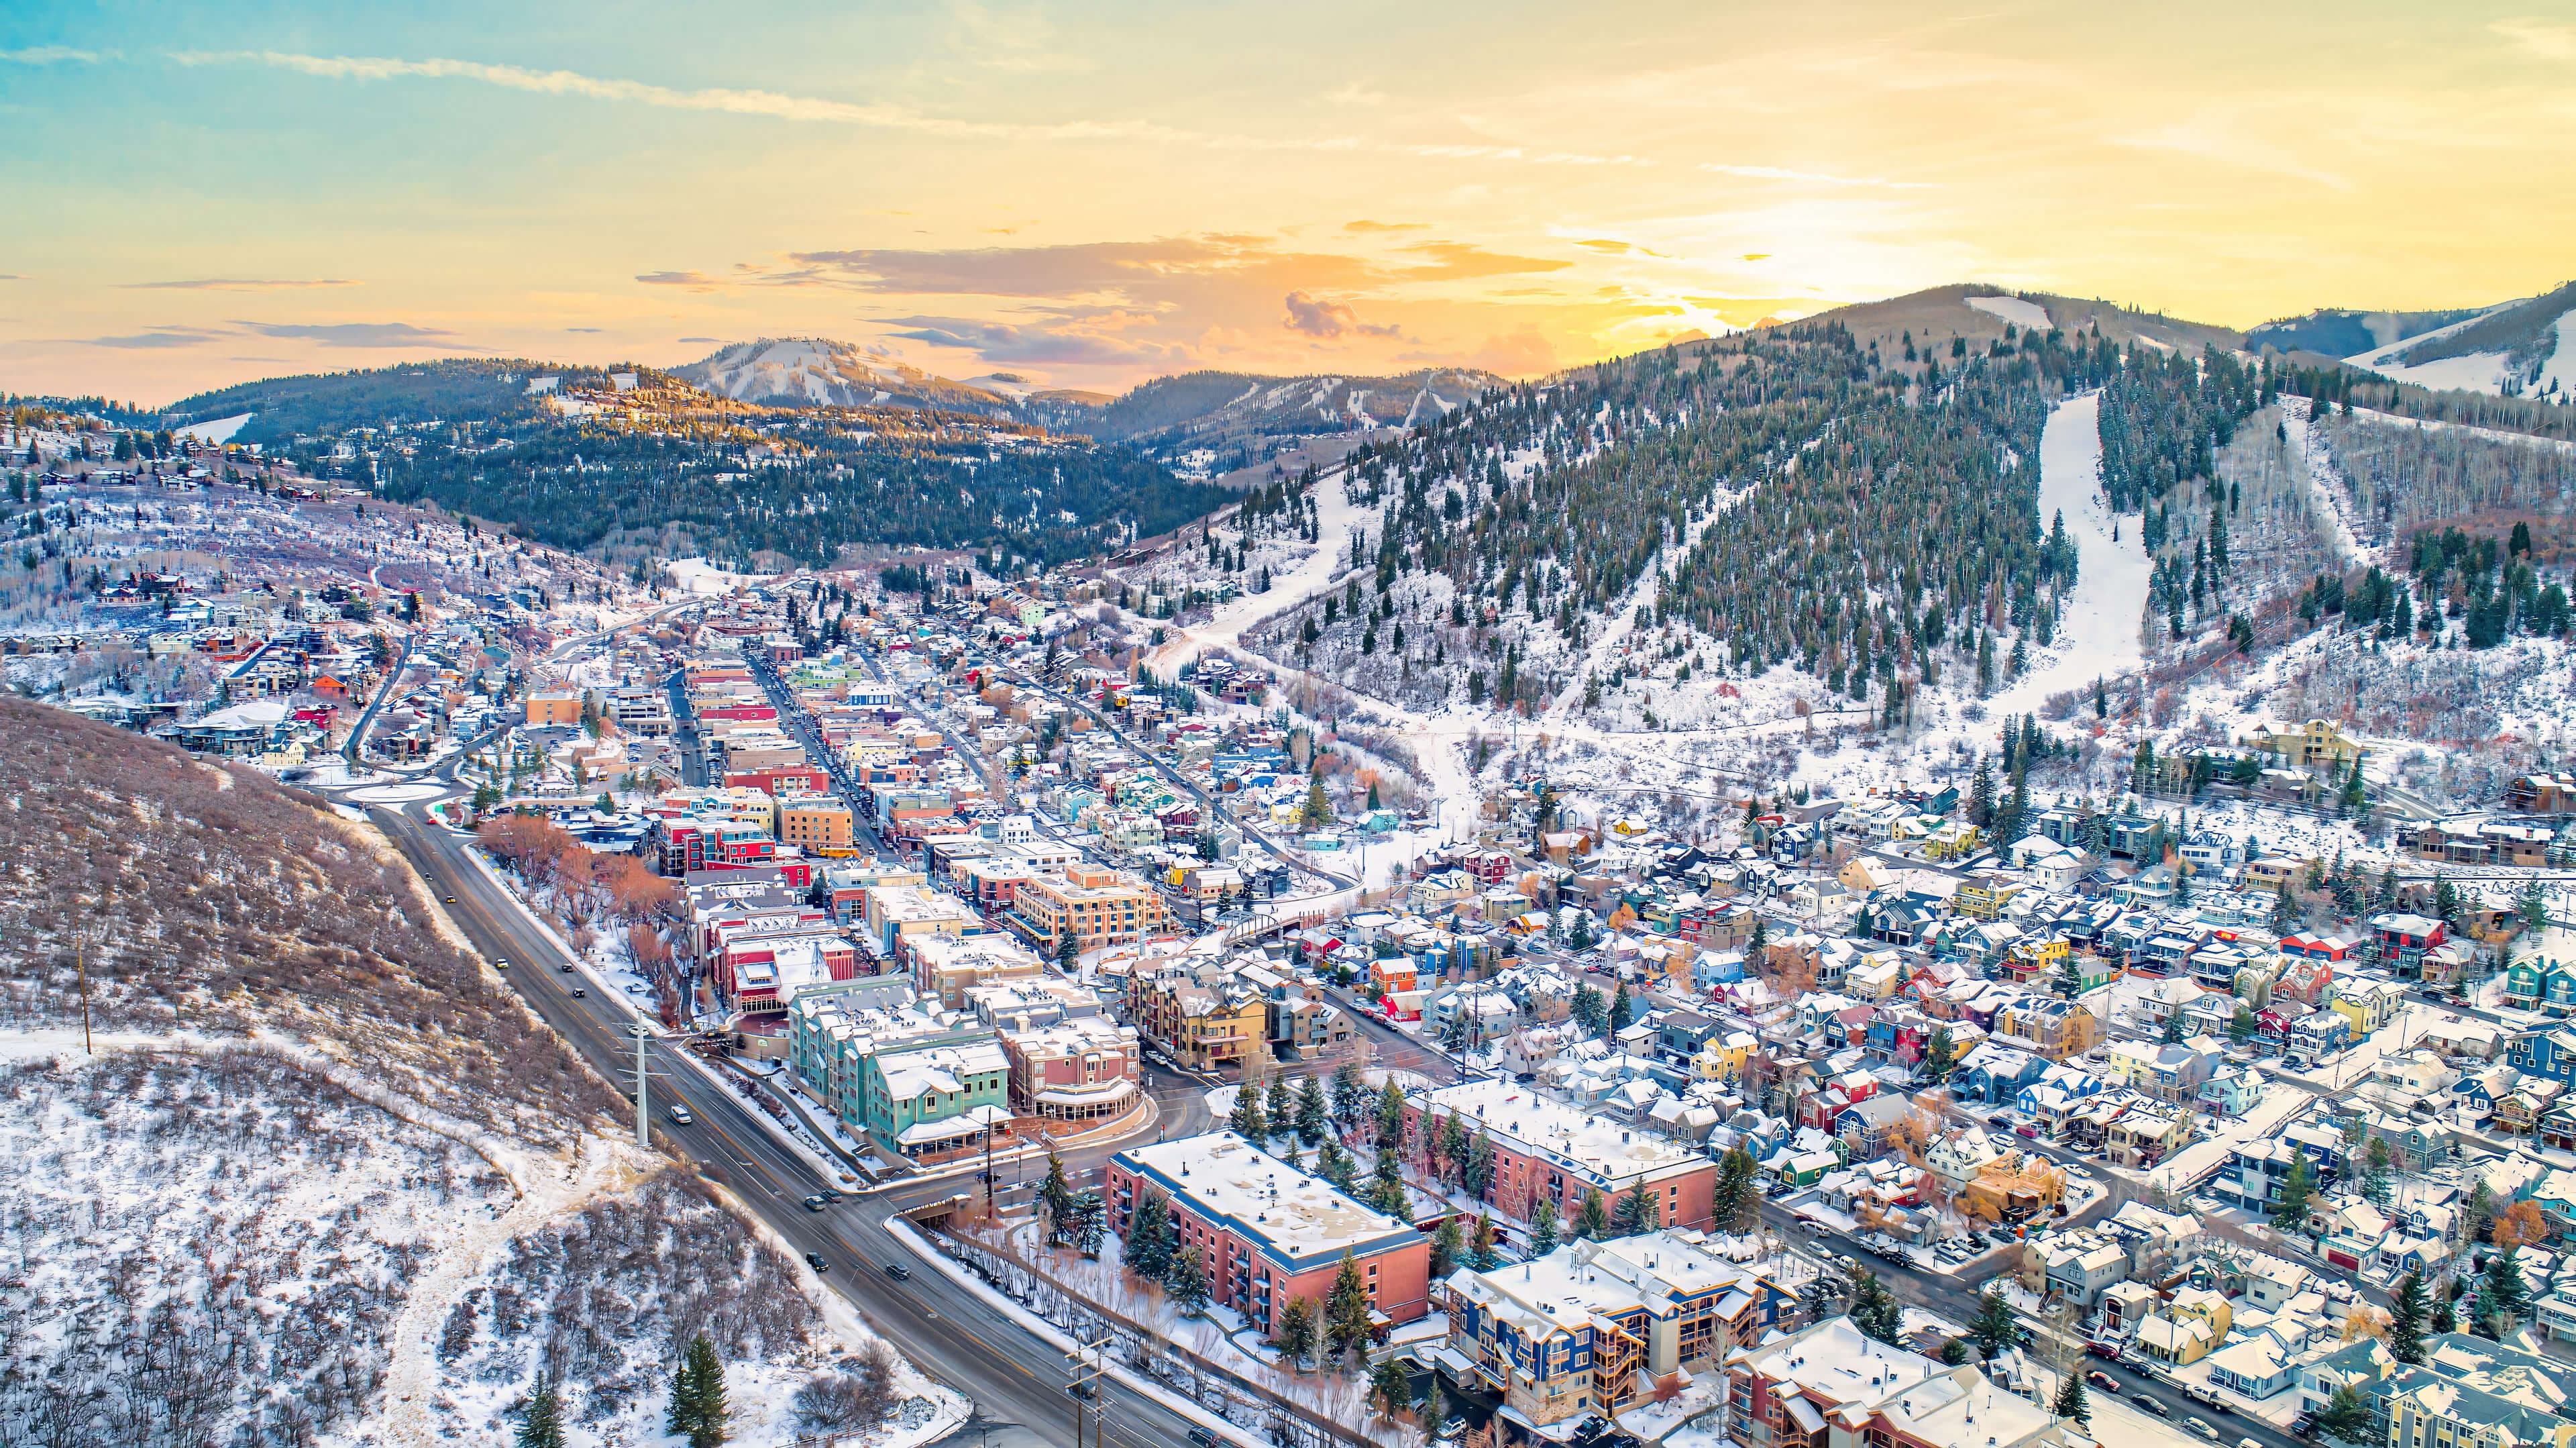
1093,195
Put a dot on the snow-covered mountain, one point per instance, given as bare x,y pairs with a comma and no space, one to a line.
1210,408
821,372
2516,349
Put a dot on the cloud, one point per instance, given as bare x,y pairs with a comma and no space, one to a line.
1522,354
1813,178
2542,39
2210,138
1376,226
776,105
693,280
698,339
49,55
1317,318
1355,93
239,284
581,329
1023,43
353,334
1458,260
11,277
1012,342
153,340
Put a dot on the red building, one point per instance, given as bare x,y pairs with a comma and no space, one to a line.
1268,1233
779,779
1547,1150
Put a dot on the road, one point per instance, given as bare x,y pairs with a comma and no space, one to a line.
367,721
950,1333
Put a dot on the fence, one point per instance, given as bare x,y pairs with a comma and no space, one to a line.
1217,1388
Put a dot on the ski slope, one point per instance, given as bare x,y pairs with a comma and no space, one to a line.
2097,630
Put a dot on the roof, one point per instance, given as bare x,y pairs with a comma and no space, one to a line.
1536,1125
1293,1217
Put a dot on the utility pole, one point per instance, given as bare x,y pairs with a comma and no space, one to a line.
1087,1383
643,1118
80,964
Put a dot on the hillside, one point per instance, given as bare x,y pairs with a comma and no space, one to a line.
600,464
2520,349
325,1180
2337,332
1224,410
820,372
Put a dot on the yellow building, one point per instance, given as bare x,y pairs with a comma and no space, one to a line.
553,710
817,823
1095,906
2316,744
1983,897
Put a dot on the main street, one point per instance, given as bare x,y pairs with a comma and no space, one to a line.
950,1333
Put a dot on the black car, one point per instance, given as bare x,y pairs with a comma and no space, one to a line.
566,967
815,1261
2150,1404
1082,1388
579,994
1203,1438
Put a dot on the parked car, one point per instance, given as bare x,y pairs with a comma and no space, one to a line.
2248,1443
2147,1402
2202,1428
2208,1396
2104,1381
2029,1129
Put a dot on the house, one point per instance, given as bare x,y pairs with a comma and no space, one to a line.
1796,1385
2081,1264
2146,1134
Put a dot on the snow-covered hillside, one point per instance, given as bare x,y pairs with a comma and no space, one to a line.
818,371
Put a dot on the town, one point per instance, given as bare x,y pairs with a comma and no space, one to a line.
2142,1122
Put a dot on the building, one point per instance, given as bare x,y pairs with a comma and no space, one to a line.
1095,907
1593,1326
1198,1012
896,1069
818,824
1545,1150
1072,1068
1268,1233
553,709
2471,1393
1830,1384
2317,744
946,968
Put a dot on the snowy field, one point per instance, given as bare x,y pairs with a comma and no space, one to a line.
2098,635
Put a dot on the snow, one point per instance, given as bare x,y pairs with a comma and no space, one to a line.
2475,372
2098,629
697,575
2558,374
2332,494
2202,1157
219,431
398,794
2016,310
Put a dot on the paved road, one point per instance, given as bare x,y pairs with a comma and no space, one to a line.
945,1330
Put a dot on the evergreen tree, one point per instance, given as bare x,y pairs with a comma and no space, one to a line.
1151,1237
541,1423
1247,1119
1994,1328
2242,1025
1738,1198
1592,1219
1187,1283
1390,1118
1319,810
2172,1035
2375,1175
1346,1309
1874,1309
1542,1238
2445,1318
1313,1113
1819,1297
698,1410
1056,1201
1638,1211
1447,1246
1389,1388
1588,1012
1480,1248
2406,1316
1350,1093
2531,907
2345,1417
2070,1403
2290,1213
1296,1336
1281,1117
1981,795
1940,1054
1386,1189
1623,1010
2503,1297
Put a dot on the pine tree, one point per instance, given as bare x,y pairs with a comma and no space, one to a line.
1150,1236
2242,1025
1737,1196
1386,1188
2375,1183
1638,1211
1447,1246
1623,1010
1246,1119
1874,1309
541,1425
2290,1213
1281,1117
1592,1219
698,1411
2406,1320
1542,1239
1480,1248
1994,1328
1296,1336
1313,1112
1940,1054
1390,1118
1056,1201
2345,1417
1187,1283
2503,1297
1389,1388
1346,1309
2070,1402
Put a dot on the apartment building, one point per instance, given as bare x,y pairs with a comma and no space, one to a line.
1547,1150
1830,1383
1094,907
1269,1233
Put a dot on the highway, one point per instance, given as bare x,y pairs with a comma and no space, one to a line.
946,1331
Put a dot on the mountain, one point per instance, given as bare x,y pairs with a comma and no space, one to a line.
2518,349
1221,409
1980,313
820,372
2339,332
